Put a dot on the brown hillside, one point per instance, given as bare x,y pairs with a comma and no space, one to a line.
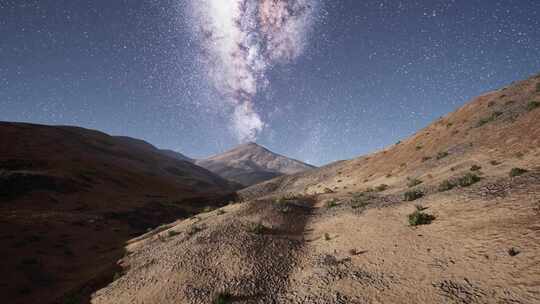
501,126
70,198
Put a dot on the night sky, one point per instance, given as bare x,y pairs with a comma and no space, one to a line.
339,79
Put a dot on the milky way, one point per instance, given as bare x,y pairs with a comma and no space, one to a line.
318,80
241,40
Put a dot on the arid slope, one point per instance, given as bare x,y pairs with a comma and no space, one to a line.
70,198
454,227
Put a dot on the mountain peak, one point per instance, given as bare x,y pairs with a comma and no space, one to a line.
251,163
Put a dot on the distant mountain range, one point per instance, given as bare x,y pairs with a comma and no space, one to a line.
250,163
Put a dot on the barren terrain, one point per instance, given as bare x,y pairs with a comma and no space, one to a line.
449,215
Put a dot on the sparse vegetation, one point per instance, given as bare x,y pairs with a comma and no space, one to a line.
222,298
419,147
360,200
532,105
194,229
220,212
413,195
328,190
381,187
494,163
442,155
258,228
208,209
488,119
420,218
475,168
517,172
414,182
172,233
446,185
327,237
117,275
283,205
468,179
426,158
331,203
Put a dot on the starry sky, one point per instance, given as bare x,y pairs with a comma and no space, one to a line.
342,78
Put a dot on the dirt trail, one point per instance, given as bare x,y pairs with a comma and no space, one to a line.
245,250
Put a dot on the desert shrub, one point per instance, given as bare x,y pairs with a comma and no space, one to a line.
331,203
194,229
381,187
117,275
475,168
328,190
426,158
419,147
517,172
208,209
413,195
172,233
327,237
494,163
222,298
257,228
359,203
420,218
414,182
446,185
488,119
283,205
468,179
442,155
532,105
360,200
220,212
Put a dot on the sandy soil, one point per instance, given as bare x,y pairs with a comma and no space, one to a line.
312,253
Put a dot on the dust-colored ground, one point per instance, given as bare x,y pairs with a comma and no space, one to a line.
341,233
311,253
